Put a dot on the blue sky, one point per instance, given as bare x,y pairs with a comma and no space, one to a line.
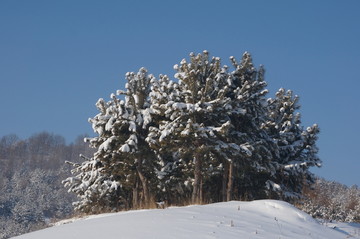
58,57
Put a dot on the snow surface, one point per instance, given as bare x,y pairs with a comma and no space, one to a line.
257,219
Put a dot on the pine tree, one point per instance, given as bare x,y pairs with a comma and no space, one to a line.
297,149
211,119
249,113
194,125
121,173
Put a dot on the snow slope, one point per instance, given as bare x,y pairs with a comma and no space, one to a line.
257,219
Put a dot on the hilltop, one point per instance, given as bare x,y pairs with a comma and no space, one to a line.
235,219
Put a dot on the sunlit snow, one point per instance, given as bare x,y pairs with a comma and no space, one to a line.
257,219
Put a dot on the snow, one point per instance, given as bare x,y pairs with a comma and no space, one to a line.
256,219
125,148
132,126
106,145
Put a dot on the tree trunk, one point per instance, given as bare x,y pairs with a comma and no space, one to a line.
201,191
135,198
145,187
225,181
197,182
229,190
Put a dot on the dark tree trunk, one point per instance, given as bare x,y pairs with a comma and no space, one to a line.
201,190
229,190
145,187
196,199
135,196
225,181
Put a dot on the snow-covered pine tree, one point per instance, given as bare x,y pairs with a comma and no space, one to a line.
174,172
297,147
203,122
193,122
248,101
121,173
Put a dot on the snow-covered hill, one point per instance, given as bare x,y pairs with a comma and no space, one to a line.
257,219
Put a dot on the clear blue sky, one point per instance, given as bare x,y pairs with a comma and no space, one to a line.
58,57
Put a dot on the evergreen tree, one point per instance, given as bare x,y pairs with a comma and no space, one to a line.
194,126
121,173
249,106
211,119
297,149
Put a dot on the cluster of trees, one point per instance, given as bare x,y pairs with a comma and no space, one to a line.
210,135
31,171
332,201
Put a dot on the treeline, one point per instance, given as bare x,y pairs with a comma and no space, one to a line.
31,171
210,135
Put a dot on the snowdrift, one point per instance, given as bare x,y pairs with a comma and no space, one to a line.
257,219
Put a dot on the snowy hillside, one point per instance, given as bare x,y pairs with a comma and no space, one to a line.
257,219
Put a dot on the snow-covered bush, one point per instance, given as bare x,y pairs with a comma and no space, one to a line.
332,201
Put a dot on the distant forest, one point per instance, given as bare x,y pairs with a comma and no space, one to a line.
31,171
